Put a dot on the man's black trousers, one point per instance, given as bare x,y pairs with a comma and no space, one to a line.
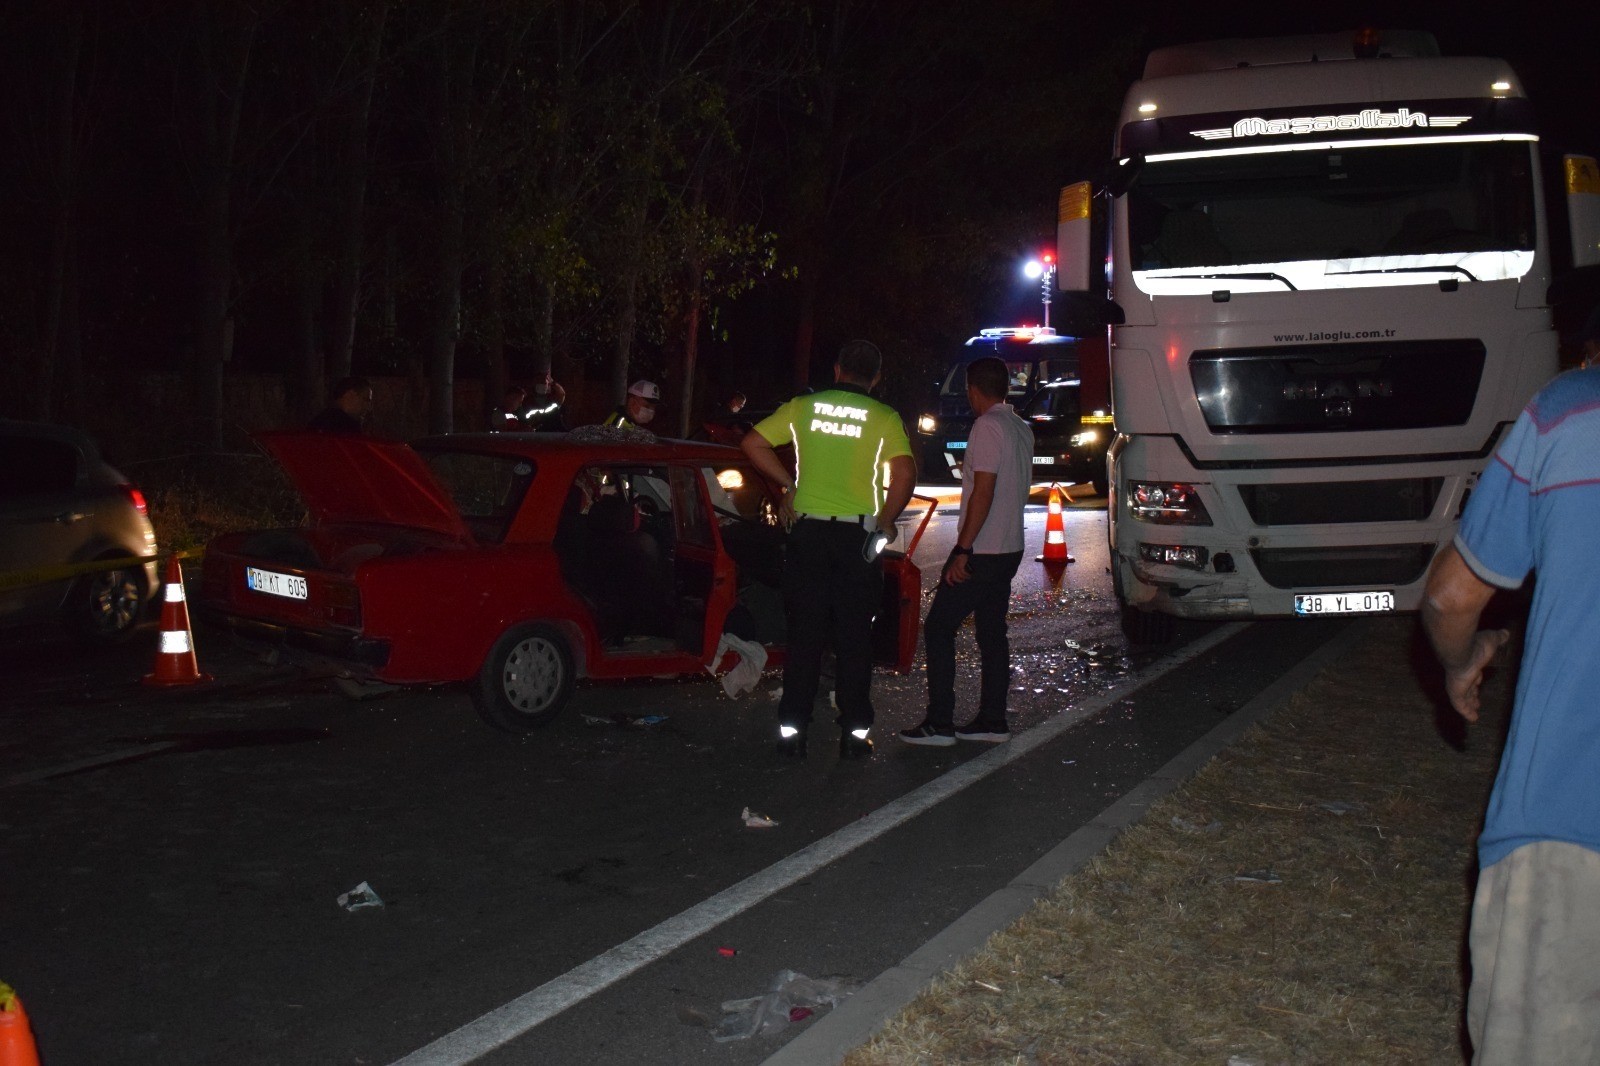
830,594
985,595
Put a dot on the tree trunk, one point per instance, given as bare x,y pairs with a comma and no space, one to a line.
345,299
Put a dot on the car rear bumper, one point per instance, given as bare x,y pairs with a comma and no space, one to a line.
342,647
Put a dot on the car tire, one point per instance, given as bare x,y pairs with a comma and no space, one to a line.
105,607
526,680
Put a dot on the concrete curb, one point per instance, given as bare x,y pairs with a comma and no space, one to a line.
854,1022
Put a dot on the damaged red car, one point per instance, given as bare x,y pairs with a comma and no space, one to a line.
519,564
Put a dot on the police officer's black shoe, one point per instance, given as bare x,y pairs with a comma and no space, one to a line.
853,744
791,742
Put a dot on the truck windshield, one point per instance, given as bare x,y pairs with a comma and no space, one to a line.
1333,217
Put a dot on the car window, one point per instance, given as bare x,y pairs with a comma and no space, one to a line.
1059,401
694,524
32,466
486,489
737,495
1057,370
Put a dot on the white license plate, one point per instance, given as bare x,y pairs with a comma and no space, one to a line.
1044,460
273,584
1375,602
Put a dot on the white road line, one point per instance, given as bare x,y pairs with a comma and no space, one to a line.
86,764
510,1021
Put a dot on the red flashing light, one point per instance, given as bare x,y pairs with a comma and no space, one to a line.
136,498
1365,44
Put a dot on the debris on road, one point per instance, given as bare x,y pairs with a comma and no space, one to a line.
1339,807
1199,823
1262,877
361,896
793,997
757,821
727,953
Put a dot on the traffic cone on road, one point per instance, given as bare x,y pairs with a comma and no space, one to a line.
175,661
16,1037
1055,533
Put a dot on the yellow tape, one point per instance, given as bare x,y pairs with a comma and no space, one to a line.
44,575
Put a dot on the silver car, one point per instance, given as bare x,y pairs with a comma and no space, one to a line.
66,518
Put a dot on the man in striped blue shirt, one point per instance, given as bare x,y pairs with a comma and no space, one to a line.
1535,992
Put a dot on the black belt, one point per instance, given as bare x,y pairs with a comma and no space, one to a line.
854,519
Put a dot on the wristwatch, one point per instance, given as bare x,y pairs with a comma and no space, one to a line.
959,550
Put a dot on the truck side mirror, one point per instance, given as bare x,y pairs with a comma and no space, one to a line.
1121,174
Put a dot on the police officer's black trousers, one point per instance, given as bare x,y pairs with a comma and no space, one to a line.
830,594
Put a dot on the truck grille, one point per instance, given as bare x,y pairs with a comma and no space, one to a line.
1334,502
1344,387
1302,568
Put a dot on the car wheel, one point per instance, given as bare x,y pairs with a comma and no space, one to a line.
526,680
105,607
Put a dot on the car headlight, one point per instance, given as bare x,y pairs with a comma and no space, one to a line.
927,424
1087,437
1170,503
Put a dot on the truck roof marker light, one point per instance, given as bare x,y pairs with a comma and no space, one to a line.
1500,87
1147,108
1365,43
1328,146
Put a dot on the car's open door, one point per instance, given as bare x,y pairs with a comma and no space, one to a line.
899,618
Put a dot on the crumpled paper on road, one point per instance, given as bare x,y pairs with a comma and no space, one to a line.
746,672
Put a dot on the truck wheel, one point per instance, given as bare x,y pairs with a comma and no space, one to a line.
1146,627
526,680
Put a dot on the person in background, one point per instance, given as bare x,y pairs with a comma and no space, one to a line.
348,409
840,511
736,403
995,479
1535,933
507,418
638,410
545,405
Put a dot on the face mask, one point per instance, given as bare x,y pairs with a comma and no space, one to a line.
644,416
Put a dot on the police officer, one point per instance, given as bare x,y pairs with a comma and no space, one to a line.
832,583
638,410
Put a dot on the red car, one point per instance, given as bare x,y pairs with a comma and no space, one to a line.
519,563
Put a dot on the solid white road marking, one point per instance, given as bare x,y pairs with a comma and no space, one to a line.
510,1021
87,764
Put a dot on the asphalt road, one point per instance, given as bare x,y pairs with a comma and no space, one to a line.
172,858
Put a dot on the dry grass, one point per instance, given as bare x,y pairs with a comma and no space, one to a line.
1155,953
194,500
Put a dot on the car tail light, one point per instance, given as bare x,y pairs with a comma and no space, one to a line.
343,605
136,498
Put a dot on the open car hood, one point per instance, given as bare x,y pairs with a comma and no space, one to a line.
353,479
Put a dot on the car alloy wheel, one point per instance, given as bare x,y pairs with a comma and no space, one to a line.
109,604
526,680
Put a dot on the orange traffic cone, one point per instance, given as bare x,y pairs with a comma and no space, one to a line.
1055,533
16,1037
175,661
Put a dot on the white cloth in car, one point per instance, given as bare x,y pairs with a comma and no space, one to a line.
752,659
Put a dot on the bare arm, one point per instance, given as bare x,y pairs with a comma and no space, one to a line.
902,482
765,459
975,507
1454,601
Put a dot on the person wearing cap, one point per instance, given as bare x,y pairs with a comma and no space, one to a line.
840,510
638,409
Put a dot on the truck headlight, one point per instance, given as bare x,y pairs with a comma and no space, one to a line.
1087,437
927,424
1170,503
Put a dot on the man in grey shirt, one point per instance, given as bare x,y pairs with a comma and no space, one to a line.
977,577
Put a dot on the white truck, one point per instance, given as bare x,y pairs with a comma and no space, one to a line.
1327,277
